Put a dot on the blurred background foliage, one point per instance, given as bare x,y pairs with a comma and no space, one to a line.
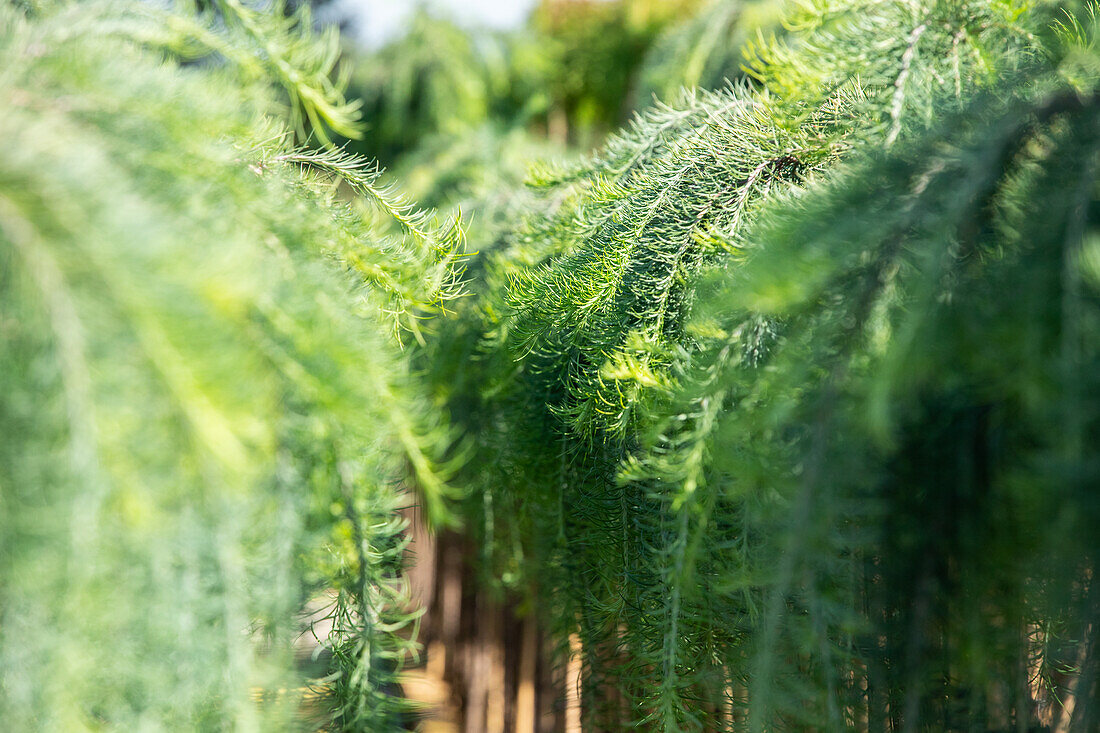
209,423
573,73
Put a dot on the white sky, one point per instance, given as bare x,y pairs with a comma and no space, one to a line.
375,21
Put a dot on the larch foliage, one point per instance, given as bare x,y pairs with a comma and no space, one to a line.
206,409
781,409
761,429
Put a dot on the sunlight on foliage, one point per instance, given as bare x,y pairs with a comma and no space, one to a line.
756,466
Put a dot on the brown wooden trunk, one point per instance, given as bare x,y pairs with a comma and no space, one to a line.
486,667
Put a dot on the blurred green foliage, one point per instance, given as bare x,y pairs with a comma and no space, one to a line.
594,50
706,50
206,409
434,80
568,75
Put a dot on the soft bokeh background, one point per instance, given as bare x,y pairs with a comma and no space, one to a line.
373,22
